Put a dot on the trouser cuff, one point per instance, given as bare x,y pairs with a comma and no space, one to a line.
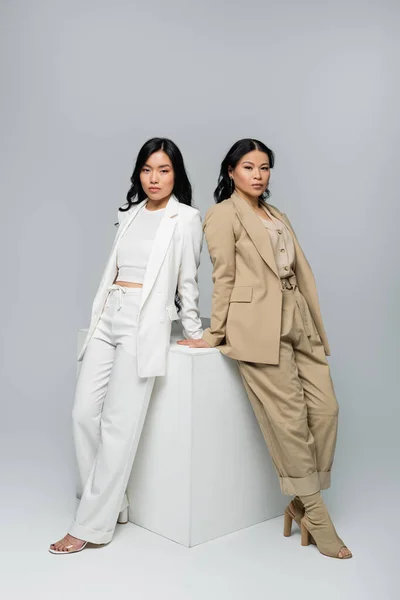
300,486
305,486
324,479
124,504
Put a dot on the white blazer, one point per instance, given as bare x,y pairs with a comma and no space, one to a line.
173,264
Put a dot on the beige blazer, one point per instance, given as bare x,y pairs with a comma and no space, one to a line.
247,296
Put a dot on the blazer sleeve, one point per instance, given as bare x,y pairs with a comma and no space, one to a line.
220,239
188,288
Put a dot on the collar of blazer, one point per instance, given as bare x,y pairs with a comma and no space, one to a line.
262,242
279,215
255,230
161,241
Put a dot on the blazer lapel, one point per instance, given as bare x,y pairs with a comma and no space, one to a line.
256,231
121,230
111,266
279,215
160,246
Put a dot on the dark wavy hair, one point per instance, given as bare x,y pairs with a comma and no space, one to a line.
226,185
182,188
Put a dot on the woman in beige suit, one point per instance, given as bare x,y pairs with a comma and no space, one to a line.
266,315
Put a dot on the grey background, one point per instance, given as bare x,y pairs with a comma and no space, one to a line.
85,83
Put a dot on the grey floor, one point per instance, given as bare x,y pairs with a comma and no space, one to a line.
258,562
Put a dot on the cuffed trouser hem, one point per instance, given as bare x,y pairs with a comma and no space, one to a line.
324,479
124,505
305,486
90,535
300,486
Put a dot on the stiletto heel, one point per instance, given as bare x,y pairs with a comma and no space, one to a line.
287,525
123,516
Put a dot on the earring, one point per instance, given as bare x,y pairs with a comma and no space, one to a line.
231,185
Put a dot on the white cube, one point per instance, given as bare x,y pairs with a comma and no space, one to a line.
202,469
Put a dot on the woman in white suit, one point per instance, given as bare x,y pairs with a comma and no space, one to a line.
150,279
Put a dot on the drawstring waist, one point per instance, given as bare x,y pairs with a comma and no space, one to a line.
121,291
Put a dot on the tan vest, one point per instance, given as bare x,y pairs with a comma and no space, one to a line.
247,297
282,244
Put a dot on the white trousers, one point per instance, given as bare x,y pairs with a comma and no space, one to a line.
109,411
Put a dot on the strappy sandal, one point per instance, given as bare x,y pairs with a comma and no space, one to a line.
70,548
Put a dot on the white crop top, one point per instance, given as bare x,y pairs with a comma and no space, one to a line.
135,246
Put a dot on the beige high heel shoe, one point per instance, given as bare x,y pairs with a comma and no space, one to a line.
330,548
318,524
293,512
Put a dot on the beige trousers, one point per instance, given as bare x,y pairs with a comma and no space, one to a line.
295,402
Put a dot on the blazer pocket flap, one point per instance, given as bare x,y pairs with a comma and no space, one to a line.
241,293
172,313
